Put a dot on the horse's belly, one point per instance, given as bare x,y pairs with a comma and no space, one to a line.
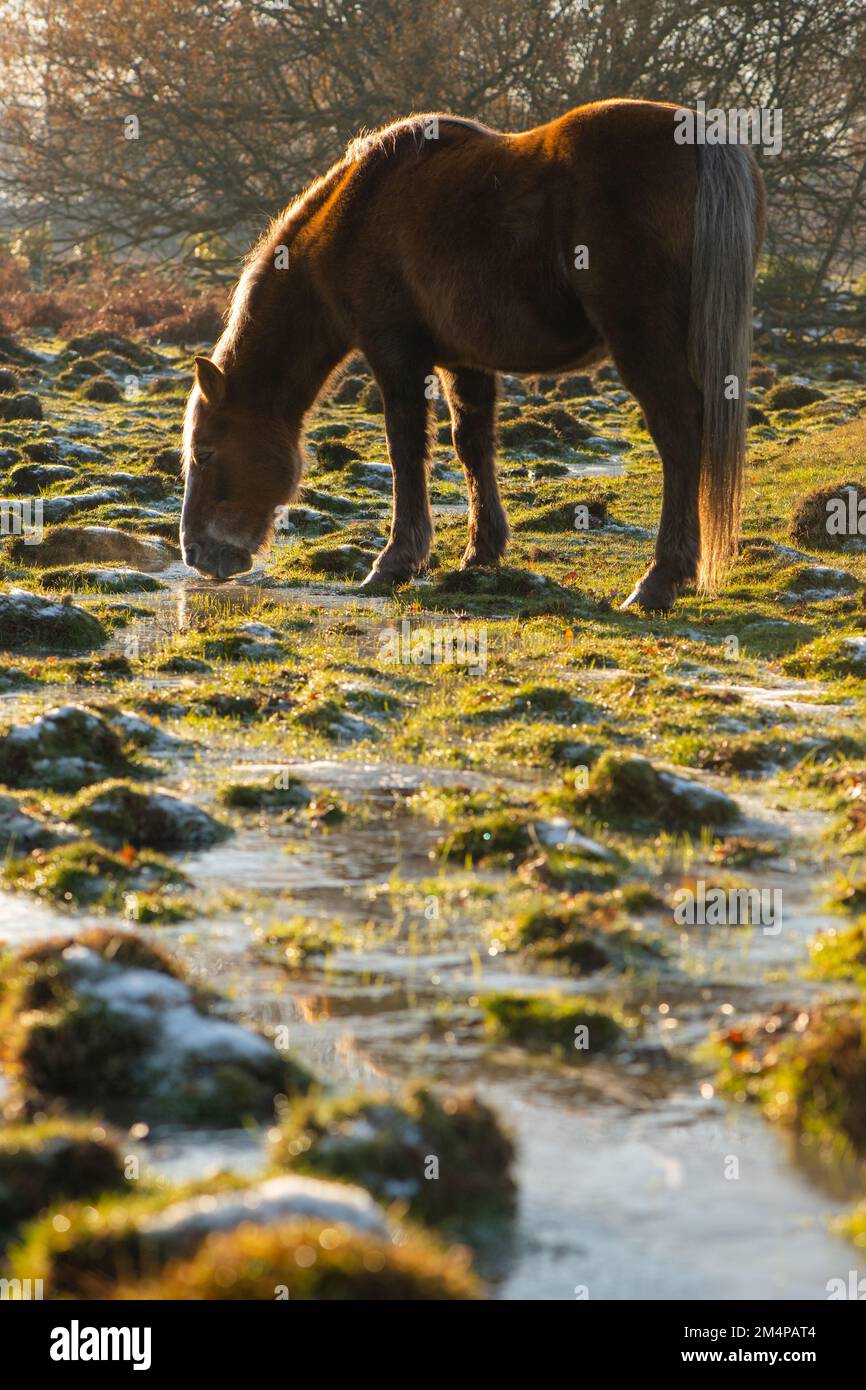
499,334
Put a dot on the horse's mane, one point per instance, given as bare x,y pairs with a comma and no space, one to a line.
367,149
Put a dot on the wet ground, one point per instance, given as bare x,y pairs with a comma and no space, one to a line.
636,1178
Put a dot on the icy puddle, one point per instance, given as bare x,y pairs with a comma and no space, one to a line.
625,1172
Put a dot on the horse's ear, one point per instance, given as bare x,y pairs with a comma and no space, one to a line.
210,380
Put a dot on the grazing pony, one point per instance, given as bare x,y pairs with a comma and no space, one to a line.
440,245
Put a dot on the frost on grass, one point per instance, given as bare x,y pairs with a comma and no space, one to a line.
106,1015
30,620
448,1159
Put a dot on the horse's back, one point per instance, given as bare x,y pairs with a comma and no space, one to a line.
475,233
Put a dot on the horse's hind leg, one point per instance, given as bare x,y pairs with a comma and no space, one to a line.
402,383
471,399
657,373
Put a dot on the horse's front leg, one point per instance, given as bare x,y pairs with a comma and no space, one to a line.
406,420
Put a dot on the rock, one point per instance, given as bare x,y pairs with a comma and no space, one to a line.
792,395
106,1015
167,461
348,561
57,1160
383,1142
633,790
370,399
183,1225
119,814
349,389
828,517
104,581
308,520
820,582
42,451
31,478
762,377
88,344
854,648
576,385
101,388
32,620
70,545
58,508
20,832
22,406
333,454
63,749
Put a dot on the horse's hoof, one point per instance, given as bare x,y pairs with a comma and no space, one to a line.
478,561
649,599
377,583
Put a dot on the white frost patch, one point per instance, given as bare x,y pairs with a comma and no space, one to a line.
182,1038
694,794
855,648
260,632
559,834
268,1203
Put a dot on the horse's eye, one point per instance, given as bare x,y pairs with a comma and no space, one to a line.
205,456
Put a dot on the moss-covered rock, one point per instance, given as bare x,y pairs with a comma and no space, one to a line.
566,1027
22,830
30,478
24,405
63,749
808,1073
266,796
822,519
45,1163
583,937
345,561
309,1262
83,874
633,791
74,545
89,579
120,814
448,1159
333,455
32,622
108,1015
793,395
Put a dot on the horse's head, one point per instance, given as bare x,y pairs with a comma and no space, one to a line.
240,466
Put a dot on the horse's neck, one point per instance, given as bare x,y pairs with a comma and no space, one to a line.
282,347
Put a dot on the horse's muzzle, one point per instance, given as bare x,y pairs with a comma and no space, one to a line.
217,559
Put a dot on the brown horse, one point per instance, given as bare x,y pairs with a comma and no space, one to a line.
437,244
